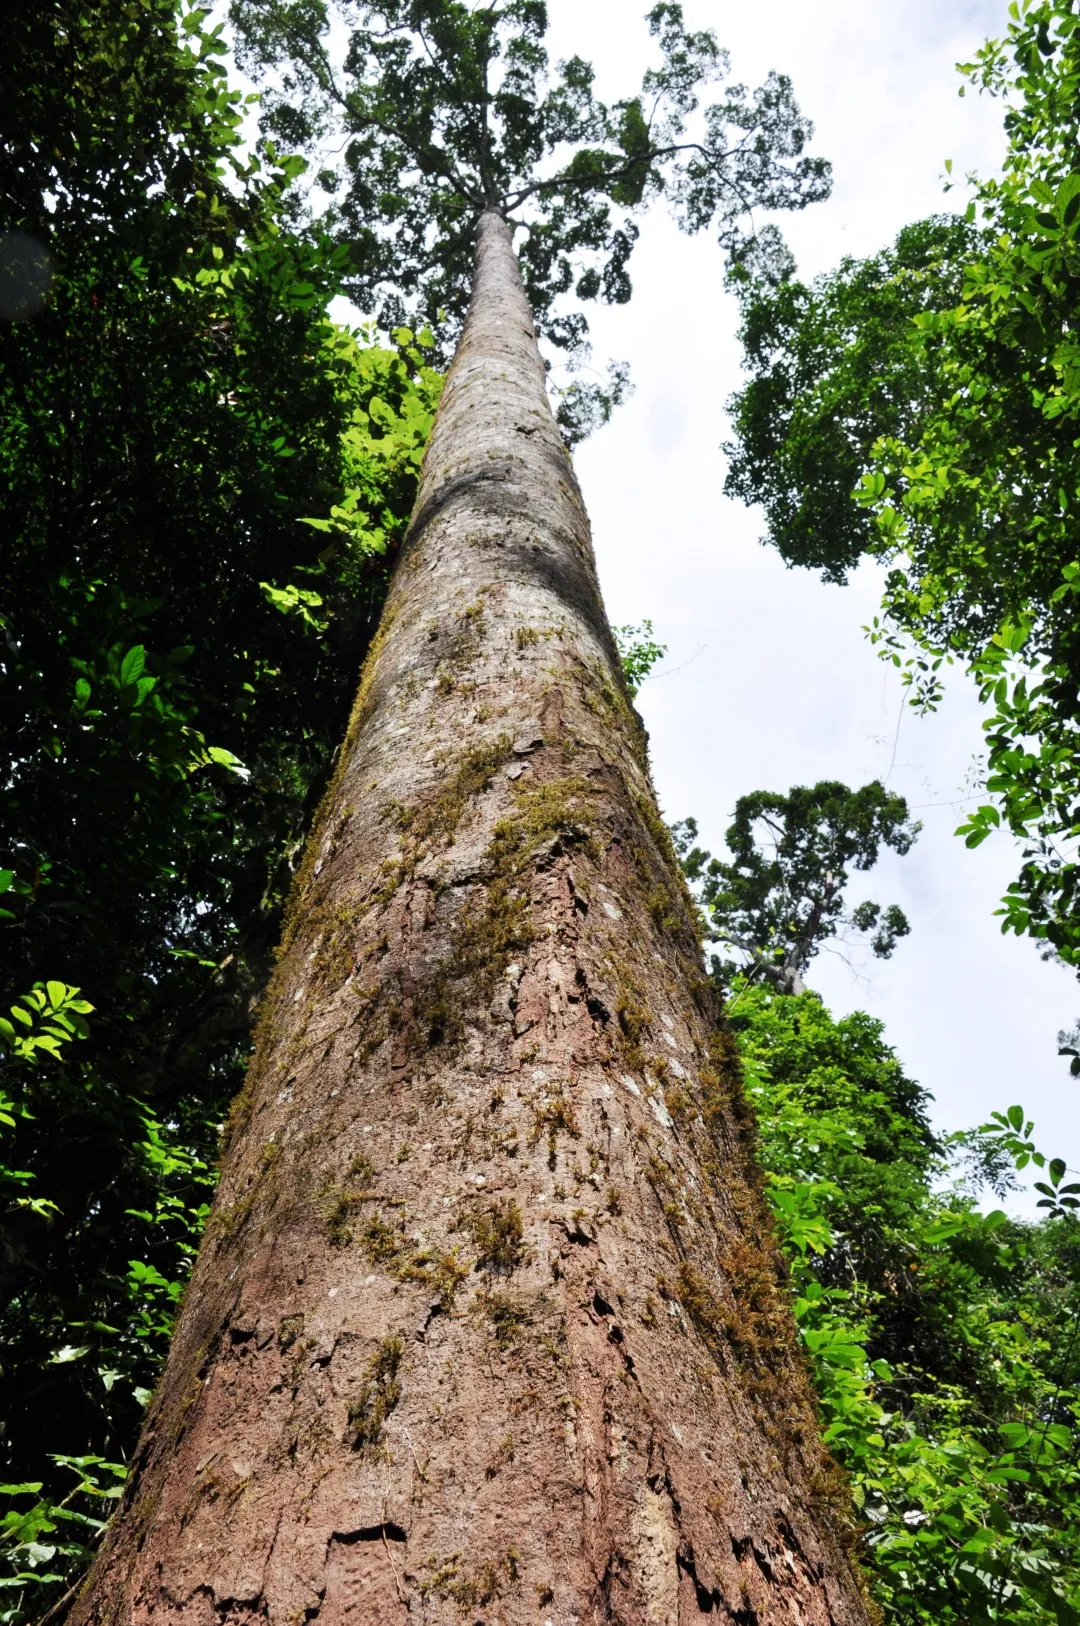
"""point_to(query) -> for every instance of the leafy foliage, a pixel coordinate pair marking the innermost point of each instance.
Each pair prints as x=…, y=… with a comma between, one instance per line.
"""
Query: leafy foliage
x=831, y=370
x=446, y=110
x=638, y=652
x=44, y=1542
x=204, y=482
x=940, y=383
x=944, y=1342
x=782, y=895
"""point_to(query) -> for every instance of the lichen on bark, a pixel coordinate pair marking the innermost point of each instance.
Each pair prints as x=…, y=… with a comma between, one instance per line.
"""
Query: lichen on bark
x=497, y=1331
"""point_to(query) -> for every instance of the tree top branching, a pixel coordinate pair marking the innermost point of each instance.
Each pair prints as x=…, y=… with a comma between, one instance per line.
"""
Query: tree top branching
x=435, y=110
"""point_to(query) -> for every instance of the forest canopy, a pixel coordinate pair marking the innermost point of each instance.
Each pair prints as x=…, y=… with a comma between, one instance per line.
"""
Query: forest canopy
x=206, y=482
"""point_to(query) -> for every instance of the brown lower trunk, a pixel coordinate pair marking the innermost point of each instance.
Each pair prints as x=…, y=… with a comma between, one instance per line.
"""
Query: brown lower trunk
x=487, y=1325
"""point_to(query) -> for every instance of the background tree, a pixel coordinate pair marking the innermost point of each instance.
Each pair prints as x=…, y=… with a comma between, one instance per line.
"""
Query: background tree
x=831, y=369
x=202, y=482
x=782, y=895
x=922, y=407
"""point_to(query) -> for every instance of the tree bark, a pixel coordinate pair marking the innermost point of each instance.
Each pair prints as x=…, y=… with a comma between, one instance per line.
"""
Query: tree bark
x=488, y=1325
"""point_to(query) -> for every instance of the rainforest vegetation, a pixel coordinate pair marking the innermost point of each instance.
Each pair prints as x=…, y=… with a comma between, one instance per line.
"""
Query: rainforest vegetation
x=206, y=481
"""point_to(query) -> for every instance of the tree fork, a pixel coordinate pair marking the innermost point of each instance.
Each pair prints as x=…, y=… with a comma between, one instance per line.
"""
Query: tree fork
x=487, y=1324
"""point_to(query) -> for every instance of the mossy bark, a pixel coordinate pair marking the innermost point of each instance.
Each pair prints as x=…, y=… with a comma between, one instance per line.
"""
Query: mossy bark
x=488, y=1324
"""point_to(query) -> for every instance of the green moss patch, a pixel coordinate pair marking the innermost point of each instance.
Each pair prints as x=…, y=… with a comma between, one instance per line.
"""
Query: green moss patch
x=381, y=1392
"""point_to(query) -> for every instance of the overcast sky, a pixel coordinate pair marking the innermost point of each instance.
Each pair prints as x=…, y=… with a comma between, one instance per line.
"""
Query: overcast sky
x=769, y=681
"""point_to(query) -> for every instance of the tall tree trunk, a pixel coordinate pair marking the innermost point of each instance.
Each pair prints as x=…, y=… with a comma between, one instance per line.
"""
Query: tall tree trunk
x=487, y=1325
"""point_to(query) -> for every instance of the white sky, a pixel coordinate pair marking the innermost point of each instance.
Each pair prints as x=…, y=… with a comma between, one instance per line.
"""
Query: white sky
x=769, y=680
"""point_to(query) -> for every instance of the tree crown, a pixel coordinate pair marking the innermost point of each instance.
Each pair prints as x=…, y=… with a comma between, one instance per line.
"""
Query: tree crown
x=783, y=894
x=447, y=109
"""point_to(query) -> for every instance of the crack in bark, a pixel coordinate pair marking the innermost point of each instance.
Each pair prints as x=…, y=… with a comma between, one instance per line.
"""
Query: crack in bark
x=708, y=1599
x=386, y=1531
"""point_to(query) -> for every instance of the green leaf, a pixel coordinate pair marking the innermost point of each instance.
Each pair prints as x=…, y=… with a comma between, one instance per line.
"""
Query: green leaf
x=133, y=665
x=226, y=759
